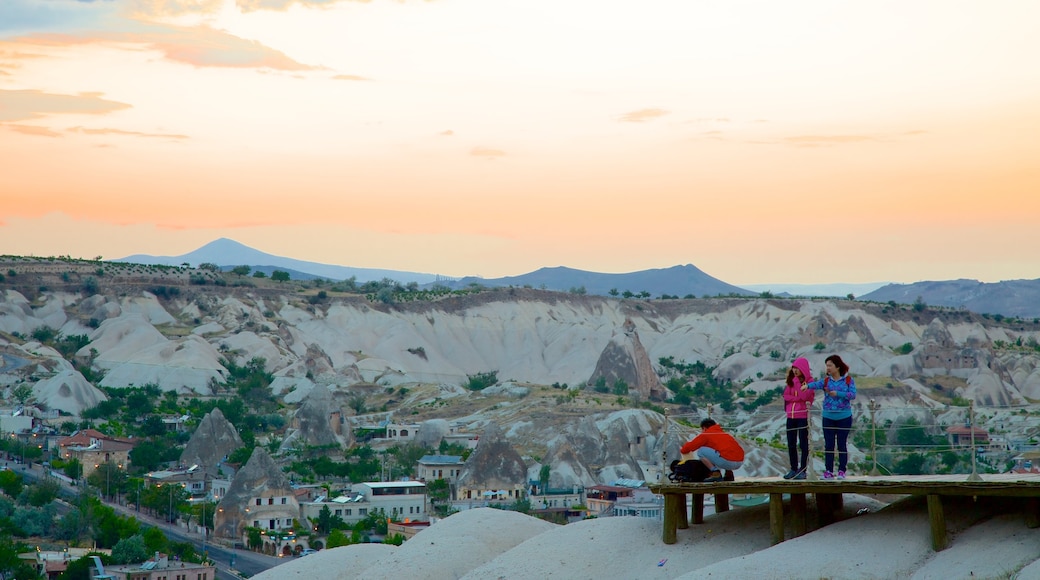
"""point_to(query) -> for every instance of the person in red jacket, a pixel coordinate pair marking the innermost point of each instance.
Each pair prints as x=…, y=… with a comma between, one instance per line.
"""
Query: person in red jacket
x=716, y=449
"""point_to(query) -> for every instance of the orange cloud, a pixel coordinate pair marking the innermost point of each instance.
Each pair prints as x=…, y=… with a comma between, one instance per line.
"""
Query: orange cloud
x=32, y=130
x=348, y=78
x=486, y=152
x=447, y=133
x=32, y=104
x=282, y=5
x=642, y=115
x=200, y=46
x=162, y=8
x=823, y=140
x=204, y=46
x=88, y=131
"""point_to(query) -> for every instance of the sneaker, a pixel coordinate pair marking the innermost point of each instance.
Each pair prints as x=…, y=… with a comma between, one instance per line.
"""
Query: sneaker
x=841, y=474
x=799, y=475
x=714, y=477
x=791, y=474
x=828, y=475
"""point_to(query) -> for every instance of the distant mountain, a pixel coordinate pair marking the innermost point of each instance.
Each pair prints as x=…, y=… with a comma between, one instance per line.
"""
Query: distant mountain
x=229, y=253
x=1019, y=298
x=678, y=281
x=837, y=289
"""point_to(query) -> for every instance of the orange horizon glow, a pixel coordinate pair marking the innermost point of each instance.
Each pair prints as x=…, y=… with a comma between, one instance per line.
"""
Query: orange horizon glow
x=807, y=142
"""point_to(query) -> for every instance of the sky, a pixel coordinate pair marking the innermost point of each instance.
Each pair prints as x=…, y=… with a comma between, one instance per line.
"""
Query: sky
x=761, y=141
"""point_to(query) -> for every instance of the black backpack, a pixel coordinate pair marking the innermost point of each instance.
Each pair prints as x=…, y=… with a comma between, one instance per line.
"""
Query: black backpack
x=689, y=471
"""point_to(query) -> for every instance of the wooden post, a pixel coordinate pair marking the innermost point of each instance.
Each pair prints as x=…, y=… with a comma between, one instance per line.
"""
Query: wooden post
x=798, y=513
x=825, y=508
x=1033, y=512
x=698, y=508
x=938, y=522
x=722, y=503
x=671, y=512
x=776, y=517
x=722, y=499
x=684, y=513
x=873, y=437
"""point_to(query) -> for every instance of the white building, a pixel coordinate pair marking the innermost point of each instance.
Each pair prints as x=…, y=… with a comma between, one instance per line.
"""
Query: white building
x=400, y=500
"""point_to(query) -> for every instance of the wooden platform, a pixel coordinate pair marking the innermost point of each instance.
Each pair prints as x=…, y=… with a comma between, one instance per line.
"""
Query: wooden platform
x=829, y=494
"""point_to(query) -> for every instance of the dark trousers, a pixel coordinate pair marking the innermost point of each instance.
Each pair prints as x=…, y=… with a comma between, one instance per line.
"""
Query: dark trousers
x=836, y=431
x=798, y=432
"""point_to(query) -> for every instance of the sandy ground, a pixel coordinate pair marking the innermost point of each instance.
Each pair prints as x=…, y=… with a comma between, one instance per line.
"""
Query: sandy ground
x=872, y=540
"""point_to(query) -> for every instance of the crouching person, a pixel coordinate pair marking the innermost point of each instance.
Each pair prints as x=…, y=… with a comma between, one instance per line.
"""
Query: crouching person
x=716, y=449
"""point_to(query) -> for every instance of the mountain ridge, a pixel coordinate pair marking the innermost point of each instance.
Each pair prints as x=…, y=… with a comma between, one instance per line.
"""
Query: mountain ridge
x=1006, y=298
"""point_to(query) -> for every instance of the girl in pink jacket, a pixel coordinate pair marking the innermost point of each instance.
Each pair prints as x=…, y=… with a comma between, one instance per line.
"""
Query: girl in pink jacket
x=796, y=407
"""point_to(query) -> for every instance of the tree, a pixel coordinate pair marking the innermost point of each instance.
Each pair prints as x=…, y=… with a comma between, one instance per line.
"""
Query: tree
x=11, y=566
x=613, y=292
x=338, y=538
x=324, y=523
x=241, y=270
x=23, y=393
x=259, y=274
x=280, y=276
x=10, y=483
x=543, y=477
x=253, y=539
x=912, y=433
x=919, y=304
x=155, y=540
x=109, y=478
x=130, y=550
x=43, y=492
x=80, y=568
x=73, y=469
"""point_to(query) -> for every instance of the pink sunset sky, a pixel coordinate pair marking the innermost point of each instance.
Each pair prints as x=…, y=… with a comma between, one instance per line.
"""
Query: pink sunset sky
x=762, y=141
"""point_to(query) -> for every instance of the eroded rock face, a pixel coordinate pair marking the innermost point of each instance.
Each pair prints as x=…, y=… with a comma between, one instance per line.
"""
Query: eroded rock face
x=260, y=478
x=624, y=358
x=214, y=439
x=431, y=433
x=494, y=464
x=68, y=391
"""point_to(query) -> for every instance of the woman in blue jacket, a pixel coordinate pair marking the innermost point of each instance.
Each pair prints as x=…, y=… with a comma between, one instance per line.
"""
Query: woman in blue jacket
x=839, y=390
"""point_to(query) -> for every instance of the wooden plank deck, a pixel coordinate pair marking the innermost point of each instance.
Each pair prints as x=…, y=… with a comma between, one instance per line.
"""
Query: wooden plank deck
x=829, y=494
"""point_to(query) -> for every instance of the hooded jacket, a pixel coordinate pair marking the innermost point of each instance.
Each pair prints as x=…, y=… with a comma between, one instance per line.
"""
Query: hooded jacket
x=840, y=405
x=717, y=439
x=797, y=401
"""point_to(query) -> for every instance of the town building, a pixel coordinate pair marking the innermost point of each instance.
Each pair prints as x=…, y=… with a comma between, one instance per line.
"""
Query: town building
x=400, y=500
x=447, y=467
x=157, y=568
x=93, y=448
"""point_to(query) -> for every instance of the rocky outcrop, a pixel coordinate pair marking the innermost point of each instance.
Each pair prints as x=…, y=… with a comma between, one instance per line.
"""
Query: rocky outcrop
x=213, y=440
x=431, y=433
x=259, y=478
x=494, y=464
x=567, y=468
x=317, y=422
x=625, y=359
x=68, y=391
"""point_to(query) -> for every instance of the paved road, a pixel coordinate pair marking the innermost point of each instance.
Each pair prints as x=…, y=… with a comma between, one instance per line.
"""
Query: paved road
x=246, y=563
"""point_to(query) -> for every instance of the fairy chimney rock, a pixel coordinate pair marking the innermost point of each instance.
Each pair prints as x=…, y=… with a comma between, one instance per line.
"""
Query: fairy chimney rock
x=624, y=358
x=214, y=439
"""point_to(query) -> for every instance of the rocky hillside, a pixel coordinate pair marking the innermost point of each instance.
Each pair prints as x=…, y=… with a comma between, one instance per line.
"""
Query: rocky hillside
x=416, y=353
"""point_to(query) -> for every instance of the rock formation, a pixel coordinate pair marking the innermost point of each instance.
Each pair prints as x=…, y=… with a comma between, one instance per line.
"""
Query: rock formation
x=494, y=464
x=317, y=422
x=624, y=358
x=259, y=477
x=214, y=439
